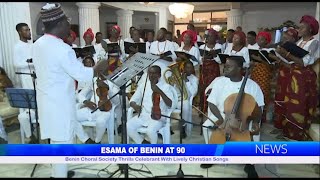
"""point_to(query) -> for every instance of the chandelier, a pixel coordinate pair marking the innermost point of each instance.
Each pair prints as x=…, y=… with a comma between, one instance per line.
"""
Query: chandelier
x=181, y=10
x=146, y=3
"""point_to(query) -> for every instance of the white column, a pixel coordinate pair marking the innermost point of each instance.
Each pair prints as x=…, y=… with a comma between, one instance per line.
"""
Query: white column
x=157, y=23
x=11, y=13
x=124, y=20
x=163, y=18
x=234, y=18
x=88, y=18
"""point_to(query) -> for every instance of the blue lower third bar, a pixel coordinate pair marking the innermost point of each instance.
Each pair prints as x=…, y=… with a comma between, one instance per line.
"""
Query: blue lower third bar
x=228, y=149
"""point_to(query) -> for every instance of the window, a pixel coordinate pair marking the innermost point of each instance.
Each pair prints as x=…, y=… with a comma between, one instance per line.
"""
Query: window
x=202, y=21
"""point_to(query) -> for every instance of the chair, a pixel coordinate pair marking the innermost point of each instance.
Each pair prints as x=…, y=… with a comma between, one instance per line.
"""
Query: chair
x=165, y=130
x=111, y=126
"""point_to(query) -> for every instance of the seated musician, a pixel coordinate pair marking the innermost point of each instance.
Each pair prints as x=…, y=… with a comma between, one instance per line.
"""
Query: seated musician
x=191, y=85
x=88, y=61
x=157, y=88
x=221, y=88
x=89, y=98
x=5, y=82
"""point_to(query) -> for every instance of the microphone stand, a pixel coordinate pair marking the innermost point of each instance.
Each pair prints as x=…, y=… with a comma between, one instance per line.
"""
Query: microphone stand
x=33, y=75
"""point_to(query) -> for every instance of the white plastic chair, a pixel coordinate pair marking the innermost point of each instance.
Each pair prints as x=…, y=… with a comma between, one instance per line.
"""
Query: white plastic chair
x=165, y=130
x=111, y=126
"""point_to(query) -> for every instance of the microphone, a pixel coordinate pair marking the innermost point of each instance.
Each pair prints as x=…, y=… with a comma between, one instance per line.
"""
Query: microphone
x=29, y=60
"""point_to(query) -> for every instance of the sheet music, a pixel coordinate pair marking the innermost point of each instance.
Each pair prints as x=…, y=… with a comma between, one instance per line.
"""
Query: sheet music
x=130, y=68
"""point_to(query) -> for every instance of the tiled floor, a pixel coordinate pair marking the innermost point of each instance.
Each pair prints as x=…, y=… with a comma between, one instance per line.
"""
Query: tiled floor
x=104, y=170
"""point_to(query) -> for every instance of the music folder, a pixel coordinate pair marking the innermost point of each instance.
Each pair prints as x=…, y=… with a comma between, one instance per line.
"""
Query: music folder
x=263, y=54
x=189, y=56
x=200, y=43
x=209, y=53
x=294, y=49
x=223, y=57
x=140, y=45
x=110, y=47
x=165, y=54
x=85, y=50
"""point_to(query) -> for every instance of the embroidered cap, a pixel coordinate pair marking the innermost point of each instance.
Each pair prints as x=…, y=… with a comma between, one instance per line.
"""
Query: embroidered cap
x=51, y=12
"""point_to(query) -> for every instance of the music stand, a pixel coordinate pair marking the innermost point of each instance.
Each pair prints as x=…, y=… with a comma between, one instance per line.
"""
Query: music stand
x=24, y=98
x=129, y=69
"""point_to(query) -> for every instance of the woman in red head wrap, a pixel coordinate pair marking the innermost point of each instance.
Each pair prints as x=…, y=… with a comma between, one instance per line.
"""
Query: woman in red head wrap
x=238, y=47
x=189, y=38
x=88, y=37
x=71, y=38
x=262, y=71
x=209, y=68
x=283, y=80
x=301, y=97
x=115, y=50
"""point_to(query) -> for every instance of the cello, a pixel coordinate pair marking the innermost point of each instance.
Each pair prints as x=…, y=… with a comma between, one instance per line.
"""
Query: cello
x=240, y=105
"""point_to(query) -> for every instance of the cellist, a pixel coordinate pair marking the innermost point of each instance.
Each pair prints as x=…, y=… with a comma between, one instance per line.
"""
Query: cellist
x=220, y=89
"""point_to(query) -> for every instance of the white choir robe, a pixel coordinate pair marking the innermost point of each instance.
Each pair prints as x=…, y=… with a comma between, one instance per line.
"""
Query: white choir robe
x=194, y=51
x=192, y=89
x=243, y=52
x=100, y=117
x=145, y=120
x=22, y=52
x=176, y=45
x=222, y=87
x=312, y=47
x=216, y=47
x=226, y=46
x=100, y=53
x=255, y=46
x=129, y=39
x=148, y=45
x=159, y=48
x=162, y=47
x=3, y=133
x=57, y=67
x=121, y=54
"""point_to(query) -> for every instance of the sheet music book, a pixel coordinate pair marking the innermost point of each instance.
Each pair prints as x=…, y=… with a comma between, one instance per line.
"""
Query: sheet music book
x=189, y=56
x=110, y=47
x=209, y=53
x=85, y=50
x=263, y=54
x=294, y=49
x=223, y=57
x=166, y=54
x=200, y=43
x=140, y=45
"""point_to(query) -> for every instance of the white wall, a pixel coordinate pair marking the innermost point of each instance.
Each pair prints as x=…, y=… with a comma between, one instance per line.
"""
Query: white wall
x=269, y=15
x=138, y=20
x=69, y=8
x=106, y=15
